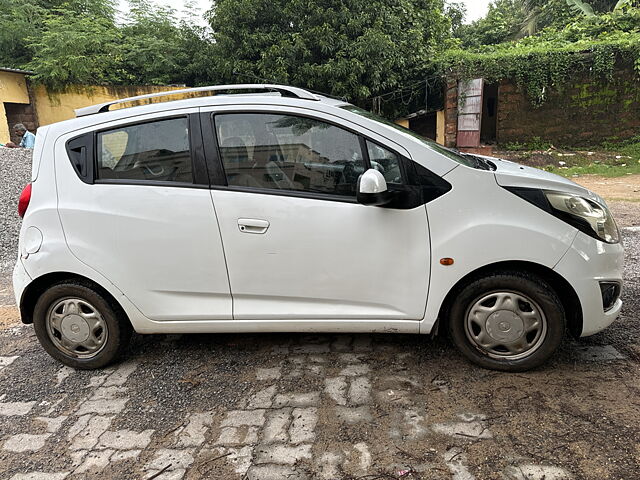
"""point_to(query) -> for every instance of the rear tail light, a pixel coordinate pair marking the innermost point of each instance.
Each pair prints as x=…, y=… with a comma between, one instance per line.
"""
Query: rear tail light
x=23, y=203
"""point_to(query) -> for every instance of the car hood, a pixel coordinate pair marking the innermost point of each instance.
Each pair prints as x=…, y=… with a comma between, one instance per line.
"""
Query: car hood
x=511, y=174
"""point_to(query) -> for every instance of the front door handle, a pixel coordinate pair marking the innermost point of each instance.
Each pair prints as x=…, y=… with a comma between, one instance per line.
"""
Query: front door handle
x=252, y=225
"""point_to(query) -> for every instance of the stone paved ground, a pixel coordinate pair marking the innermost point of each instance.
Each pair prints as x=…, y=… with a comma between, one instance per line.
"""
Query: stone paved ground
x=293, y=406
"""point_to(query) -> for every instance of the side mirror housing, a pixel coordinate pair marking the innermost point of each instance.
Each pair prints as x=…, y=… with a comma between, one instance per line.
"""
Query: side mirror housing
x=372, y=189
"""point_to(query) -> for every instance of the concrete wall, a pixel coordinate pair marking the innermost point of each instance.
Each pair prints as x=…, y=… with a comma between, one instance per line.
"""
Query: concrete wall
x=584, y=113
x=13, y=89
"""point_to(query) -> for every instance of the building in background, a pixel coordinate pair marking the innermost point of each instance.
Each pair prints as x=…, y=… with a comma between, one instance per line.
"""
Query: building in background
x=16, y=104
x=586, y=111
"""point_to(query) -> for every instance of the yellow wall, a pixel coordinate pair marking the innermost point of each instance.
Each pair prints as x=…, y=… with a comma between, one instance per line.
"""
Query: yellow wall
x=5, y=136
x=54, y=107
x=13, y=89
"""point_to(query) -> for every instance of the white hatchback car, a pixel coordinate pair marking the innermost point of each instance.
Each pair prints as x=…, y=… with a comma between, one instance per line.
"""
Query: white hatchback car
x=291, y=211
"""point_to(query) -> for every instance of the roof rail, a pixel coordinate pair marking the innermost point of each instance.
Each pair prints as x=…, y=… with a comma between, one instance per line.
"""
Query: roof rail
x=284, y=90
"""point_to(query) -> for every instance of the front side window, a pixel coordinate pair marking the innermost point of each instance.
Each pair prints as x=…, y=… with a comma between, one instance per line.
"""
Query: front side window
x=153, y=151
x=385, y=161
x=287, y=152
x=452, y=154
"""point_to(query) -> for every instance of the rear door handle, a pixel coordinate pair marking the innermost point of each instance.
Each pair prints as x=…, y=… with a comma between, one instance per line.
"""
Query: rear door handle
x=252, y=225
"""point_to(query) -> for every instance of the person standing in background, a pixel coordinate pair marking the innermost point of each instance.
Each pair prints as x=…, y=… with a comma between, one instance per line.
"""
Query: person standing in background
x=28, y=138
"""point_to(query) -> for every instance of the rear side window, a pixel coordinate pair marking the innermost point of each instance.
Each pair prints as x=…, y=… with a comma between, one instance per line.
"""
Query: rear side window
x=287, y=152
x=152, y=151
x=80, y=150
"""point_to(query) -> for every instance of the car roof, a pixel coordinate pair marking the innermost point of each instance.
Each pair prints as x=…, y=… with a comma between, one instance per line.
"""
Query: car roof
x=93, y=115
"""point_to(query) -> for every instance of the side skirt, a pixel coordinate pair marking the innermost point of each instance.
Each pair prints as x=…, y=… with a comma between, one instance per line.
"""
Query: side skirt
x=269, y=326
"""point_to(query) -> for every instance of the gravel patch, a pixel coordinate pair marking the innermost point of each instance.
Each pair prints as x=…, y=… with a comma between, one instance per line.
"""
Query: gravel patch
x=15, y=172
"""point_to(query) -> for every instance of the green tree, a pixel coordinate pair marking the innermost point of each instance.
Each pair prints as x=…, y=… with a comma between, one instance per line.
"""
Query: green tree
x=16, y=22
x=75, y=48
x=26, y=19
x=502, y=22
x=152, y=48
x=351, y=48
x=79, y=41
x=512, y=19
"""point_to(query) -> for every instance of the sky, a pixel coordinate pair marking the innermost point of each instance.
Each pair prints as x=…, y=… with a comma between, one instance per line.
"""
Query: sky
x=475, y=8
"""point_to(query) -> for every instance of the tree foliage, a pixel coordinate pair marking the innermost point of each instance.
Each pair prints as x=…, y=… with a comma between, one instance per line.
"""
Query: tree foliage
x=351, y=48
x=513, y=19
x=381, y=49
x=83, y=41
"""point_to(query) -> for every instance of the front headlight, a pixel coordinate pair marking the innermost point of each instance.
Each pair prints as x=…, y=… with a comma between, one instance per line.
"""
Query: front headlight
x=586, y=215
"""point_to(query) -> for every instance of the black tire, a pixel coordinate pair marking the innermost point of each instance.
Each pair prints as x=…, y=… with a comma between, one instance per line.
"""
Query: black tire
x=529, y=285
x=117, y=325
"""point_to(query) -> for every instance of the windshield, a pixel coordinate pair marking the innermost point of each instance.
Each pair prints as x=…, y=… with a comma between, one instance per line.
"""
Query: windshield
x=464, y=159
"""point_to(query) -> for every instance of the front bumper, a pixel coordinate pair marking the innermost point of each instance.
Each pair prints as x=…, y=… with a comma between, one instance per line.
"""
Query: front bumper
x=584, y=266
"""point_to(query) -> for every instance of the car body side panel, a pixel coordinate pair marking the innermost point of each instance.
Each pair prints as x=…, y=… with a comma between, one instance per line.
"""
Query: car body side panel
x=466, y=225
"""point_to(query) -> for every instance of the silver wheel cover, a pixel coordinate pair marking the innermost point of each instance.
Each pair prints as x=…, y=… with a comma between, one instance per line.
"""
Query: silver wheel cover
x=76, y=328
x=505, y=325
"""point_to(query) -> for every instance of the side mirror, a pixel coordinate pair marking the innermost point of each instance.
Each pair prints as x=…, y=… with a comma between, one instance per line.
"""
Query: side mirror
x=372, y=189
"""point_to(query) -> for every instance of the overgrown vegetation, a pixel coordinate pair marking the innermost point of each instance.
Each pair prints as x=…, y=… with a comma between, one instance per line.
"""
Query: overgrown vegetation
x=590, y=42
x=377, y=52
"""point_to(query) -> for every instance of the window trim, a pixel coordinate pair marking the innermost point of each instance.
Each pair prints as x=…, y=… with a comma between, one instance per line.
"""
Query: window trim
x=402, y=159
x=87, y=138
x=199, y=168
x=151, y=183
x=220, y=183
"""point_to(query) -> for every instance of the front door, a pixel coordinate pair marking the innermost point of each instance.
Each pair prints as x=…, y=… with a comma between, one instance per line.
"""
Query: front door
x=297, y=244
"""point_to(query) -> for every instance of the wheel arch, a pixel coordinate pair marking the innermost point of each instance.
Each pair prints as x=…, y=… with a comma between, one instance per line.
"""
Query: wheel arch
x=562, y=287
x=38, y=286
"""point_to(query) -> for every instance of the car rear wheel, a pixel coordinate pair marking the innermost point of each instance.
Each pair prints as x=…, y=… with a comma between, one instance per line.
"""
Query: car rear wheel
x=511, y=321
x=79, y=326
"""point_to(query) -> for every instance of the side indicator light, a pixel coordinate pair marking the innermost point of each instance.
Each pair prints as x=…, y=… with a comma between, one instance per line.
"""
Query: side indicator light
x=446, y=261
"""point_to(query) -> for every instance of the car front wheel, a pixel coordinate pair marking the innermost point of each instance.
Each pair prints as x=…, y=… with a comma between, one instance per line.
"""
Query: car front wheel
x=80, y=327
x=510, y=321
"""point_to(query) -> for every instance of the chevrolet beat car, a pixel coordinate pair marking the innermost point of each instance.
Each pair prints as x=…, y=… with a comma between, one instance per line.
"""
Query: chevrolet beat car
x=268, y=208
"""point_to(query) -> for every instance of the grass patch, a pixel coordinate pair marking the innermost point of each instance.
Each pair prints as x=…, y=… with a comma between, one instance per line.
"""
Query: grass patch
x=630, y=147
x=595, y=169
x=611, y=159
x=536, y=143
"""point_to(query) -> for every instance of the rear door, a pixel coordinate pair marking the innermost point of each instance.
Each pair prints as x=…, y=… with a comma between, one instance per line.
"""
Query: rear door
x=135, y=205
x=298, y=245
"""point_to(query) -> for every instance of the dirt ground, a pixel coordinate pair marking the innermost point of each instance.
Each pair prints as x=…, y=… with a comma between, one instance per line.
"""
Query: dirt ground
x=332, y=407
x=613, y=189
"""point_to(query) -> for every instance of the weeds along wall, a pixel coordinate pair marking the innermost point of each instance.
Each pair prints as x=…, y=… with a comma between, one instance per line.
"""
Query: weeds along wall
x=584, y=111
